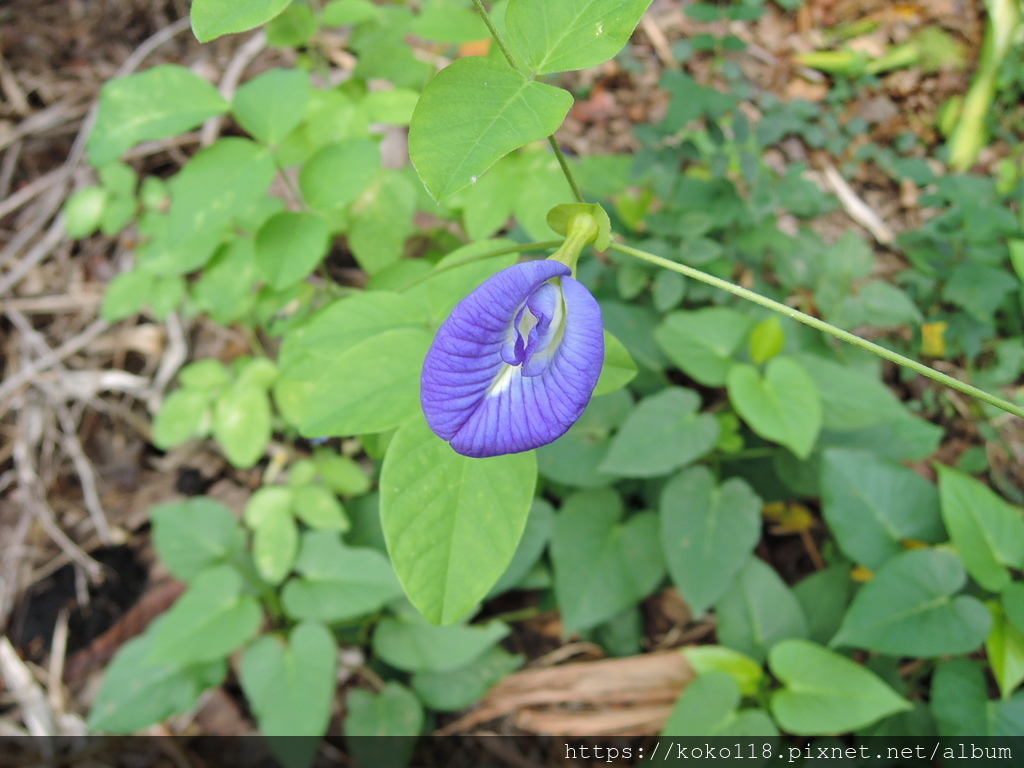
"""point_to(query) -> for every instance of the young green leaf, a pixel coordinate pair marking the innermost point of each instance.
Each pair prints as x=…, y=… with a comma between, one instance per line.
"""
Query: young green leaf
x=746, y=672
x=826, y=693
x=185, y=414
x=452, y=523
x=219, y=185
x=664, y=432
x=410, y=643
x=191, y=536
x=319, y=508
x=275, y=534
x=474, y=112
x=338, y=583
x=288, y=90
x=572, y=34
x=214, y=18
x=337, y=174
x=987, y=532
x=160, y=102
x=602, y=563
x=289, y=246
x=758, y=611
x=1004, y=648
x=784, y=406
x=242, y=424
x=381, y=220
x=910, y=609
x=708, y=533
x=618, y=369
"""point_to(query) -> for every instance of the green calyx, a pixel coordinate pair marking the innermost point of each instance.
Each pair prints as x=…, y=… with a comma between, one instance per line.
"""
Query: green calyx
x=582, y=224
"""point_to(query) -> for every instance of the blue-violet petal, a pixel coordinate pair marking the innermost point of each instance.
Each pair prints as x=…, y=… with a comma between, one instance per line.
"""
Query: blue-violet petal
x=516, y=362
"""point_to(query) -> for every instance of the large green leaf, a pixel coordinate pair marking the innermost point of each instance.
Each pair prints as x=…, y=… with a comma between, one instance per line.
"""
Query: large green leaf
x=162, y=101
x=784, y=406
x=874, y=506
x=602, y=563
x=371, y=387
x=474, y=112
x=909, y=609
x=702, y=343
x=338, y=582
x=452, y=523
x=986, y=531
x=708, y=533
x=826, y=693
x=664, y=432
x=209, y=621
x=758, y=611
x=213, y=18
x=441, y=291
x=138, y=692
x=290, y=684
x=571, y=34
x=339, y=326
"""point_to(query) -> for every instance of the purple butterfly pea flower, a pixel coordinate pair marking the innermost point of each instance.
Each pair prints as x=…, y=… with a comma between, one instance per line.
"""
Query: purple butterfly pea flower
x=515, y=364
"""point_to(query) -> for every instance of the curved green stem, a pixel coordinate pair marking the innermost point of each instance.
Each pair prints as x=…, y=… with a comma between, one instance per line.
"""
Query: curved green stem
x=562, y=161
x=497, y=38
x=821, y=325
x=517, y=248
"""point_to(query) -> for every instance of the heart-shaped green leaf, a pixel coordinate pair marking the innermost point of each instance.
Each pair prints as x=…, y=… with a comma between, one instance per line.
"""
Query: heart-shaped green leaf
x=664, y=432
x=910, y=609
x=708, y=533
x=872, y=506
x=602, y=563
x=784, y=406
x=338, y=582
x=826, y=693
